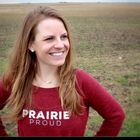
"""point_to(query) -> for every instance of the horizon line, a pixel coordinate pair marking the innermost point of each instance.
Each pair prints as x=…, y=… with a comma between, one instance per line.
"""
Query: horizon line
x=61, y=2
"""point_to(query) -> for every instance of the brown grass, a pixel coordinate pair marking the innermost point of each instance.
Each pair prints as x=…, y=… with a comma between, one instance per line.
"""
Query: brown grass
x=107, y=43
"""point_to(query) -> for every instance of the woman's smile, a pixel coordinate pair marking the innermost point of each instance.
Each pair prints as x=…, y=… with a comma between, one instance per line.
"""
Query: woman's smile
x=56, y=53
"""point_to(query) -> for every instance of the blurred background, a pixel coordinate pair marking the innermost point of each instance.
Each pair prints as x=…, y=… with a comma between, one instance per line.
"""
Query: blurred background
x=106, y=40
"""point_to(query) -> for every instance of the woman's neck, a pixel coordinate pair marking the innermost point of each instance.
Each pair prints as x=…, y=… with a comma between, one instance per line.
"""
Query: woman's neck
x=47, y=77
x=47, y=72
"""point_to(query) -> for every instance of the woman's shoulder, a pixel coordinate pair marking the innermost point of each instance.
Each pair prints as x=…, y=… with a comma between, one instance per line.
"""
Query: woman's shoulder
x=3, y=94
x=82, y=74
x=80, y=71
x=1, y=85
x=86, y=83
x=85, y=78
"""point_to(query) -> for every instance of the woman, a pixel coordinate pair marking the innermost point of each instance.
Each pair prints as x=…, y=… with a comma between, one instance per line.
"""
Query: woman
x=45, y=94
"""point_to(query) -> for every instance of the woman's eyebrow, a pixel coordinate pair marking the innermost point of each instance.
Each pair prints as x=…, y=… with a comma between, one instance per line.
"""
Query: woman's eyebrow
x=45, y=36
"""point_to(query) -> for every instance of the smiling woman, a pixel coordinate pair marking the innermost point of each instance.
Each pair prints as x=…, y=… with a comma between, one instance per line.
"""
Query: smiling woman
x=51, y=43
x=44, y=93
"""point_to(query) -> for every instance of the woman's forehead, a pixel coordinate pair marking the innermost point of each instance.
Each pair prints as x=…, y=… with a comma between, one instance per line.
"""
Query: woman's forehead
x=51, y=25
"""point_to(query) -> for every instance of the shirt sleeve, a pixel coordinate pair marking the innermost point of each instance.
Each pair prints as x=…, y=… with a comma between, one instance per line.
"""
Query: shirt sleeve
x=3, y=97
x=104, y=103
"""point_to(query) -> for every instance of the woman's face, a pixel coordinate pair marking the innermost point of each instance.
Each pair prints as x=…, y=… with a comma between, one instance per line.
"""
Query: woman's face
x=51, y=43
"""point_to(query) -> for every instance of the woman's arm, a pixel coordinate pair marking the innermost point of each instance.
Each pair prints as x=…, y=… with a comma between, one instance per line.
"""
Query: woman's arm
x=3, y=97
x=111, y=111
x=104, y=103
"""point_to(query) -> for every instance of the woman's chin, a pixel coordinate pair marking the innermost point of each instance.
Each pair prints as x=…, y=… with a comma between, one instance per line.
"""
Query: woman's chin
x=58, y=63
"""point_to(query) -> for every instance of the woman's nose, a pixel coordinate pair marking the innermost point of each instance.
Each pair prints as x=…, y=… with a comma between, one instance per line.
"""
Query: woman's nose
x=59, y=44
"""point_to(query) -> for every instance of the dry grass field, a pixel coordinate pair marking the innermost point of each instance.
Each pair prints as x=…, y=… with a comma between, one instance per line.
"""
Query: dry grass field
x=106, y=39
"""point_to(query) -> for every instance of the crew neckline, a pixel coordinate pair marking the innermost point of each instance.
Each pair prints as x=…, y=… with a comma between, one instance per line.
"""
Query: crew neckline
x=39, y=87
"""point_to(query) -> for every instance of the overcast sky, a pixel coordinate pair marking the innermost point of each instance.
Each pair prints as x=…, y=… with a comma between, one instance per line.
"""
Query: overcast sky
x=52, y=1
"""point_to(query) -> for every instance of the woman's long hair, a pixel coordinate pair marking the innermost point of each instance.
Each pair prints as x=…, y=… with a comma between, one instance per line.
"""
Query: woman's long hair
x=23, y=67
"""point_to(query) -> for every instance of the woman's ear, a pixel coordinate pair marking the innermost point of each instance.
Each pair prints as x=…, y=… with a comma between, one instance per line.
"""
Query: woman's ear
x=31, y=48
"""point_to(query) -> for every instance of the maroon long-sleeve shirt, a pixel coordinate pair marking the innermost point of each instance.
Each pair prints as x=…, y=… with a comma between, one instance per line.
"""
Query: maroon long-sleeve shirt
x=47, y=118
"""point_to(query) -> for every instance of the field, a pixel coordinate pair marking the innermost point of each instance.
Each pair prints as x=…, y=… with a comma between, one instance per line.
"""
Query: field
x=106, y=39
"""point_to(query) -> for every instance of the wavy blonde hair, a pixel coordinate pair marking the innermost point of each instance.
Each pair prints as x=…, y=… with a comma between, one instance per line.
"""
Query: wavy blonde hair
x=23, y=66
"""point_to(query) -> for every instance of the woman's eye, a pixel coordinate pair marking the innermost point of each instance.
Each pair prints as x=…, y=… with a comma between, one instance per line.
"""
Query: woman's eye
x=64, y=36
x=49, y=39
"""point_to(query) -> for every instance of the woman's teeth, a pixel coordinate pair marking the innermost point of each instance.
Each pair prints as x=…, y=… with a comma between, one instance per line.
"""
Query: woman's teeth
x=57, y=53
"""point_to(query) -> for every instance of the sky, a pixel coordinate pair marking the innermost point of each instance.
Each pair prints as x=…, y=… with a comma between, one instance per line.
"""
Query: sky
x=52, y=1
